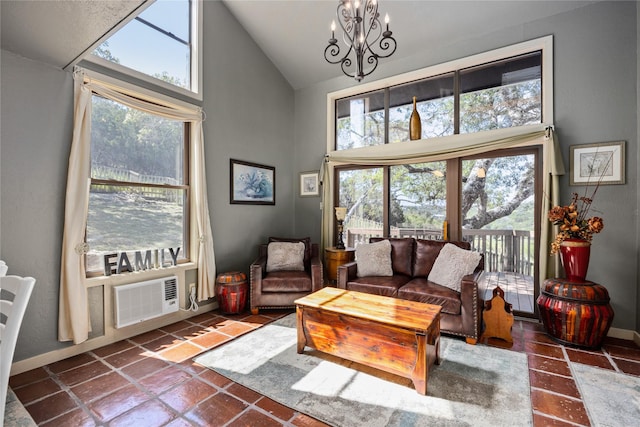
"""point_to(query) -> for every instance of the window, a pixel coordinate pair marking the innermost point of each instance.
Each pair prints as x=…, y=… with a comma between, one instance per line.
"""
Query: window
x=500, y=94
x=162, y=42
x=139, y=186
x=489, y=196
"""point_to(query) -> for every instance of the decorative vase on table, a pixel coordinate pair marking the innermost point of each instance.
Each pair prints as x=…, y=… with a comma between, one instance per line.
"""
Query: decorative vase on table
x=575, y=255
x=415, y=125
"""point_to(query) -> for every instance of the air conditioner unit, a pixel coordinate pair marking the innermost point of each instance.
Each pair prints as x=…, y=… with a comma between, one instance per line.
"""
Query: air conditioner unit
x=137, y=302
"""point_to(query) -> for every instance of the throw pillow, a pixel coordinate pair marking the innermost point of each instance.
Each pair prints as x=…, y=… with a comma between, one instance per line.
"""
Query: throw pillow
x=285, y=256
x=452, y=264
x=305, y=240
x=374, y=259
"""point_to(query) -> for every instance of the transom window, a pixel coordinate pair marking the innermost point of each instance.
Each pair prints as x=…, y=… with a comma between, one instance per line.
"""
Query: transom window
x=161, y=43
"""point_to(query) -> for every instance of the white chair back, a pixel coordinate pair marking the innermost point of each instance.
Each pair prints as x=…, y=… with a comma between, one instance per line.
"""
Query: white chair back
x=14, y=296
x=3, y=268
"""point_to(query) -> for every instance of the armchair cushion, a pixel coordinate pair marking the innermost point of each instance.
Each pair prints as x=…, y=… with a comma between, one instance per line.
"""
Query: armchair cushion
x=285, y=256
x=374, y=259
x=305, y=240
x=452, y=264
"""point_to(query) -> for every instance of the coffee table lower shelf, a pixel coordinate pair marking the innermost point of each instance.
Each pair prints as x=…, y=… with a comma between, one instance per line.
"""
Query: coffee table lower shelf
x=342, y=327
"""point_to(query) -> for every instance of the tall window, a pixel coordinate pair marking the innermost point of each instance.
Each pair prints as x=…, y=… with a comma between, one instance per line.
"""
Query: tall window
x=162, y=43
x=139, y=190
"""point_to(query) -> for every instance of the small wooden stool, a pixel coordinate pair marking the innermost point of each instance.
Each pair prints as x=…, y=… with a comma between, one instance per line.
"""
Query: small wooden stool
x=498, y=317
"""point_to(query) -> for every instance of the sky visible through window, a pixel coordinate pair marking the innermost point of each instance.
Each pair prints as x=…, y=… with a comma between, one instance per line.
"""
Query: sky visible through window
x=145, y=49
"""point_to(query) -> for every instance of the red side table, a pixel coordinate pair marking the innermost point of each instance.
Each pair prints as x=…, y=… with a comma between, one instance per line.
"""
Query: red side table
x=575, y=313
x=231, y=292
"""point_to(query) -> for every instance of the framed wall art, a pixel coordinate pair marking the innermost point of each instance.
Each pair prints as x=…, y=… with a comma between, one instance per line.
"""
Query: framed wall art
x=595, y=164
x=309, y=184
x=252, y=183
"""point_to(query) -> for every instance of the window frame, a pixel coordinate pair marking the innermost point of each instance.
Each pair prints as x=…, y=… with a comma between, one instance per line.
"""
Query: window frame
x=196, y=22
x=189, y=229
x=543, y=44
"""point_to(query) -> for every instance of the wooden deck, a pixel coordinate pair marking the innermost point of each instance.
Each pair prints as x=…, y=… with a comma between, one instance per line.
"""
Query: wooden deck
x=518, y=289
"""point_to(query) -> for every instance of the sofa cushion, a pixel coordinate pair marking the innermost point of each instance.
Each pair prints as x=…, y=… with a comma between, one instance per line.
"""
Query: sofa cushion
x=286, y=281
x=305, y=240
x=283, y=256
x=401, y=254
x=380, y=285
x=374, y=259
x=421, y=290
x=452, y=264
x=426, y=252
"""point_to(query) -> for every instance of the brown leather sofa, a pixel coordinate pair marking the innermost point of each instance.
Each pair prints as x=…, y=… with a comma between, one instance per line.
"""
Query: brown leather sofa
x=412, y=260
x=279, y=289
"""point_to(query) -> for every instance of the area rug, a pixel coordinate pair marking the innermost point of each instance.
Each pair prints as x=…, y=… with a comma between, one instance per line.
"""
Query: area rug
x=611, y=398
x=473, y=386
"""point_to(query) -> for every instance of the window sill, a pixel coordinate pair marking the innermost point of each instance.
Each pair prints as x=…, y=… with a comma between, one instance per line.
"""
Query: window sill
x=137, y=276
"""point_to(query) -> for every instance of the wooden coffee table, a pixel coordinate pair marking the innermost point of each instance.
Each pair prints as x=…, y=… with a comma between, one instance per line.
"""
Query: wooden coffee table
x=397, y=336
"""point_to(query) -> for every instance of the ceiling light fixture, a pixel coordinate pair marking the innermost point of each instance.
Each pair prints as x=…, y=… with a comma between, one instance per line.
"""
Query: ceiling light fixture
x=362, y=29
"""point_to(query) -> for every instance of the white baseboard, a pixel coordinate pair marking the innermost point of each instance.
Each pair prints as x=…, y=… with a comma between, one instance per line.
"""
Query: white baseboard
x=624, y=334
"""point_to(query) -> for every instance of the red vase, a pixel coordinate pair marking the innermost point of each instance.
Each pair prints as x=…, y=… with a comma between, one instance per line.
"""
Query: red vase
x=575, y=258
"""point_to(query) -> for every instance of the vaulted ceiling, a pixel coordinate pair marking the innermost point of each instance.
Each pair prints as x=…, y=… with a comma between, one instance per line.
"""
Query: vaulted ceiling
x=292, y=33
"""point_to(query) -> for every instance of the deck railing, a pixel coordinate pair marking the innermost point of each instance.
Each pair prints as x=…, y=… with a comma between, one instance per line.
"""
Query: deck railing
x=504, y=250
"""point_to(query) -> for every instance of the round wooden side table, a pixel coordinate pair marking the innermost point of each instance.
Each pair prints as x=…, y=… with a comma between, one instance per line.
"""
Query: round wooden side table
x=334, y=258
x=575, y=313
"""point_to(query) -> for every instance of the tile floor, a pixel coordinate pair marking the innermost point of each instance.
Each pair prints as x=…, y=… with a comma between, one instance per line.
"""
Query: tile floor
x=150, y=380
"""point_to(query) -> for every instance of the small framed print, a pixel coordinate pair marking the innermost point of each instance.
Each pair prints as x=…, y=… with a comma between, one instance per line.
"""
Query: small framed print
x=595, y=164
x=252, y=184
x=309, y=184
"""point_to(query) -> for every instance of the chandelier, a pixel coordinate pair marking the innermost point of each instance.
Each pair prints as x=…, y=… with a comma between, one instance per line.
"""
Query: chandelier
x=361, y=31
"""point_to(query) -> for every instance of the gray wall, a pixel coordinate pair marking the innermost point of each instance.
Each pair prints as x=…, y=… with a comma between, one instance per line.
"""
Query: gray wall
x=595, y=76
x=249, y=108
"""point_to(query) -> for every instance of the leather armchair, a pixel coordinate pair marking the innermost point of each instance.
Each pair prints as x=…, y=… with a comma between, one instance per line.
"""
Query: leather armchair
x=279, y=289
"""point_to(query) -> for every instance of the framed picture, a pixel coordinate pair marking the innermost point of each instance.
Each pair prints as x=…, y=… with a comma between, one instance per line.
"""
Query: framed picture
x=252, y=184
x=309, y=184
x=594, y=164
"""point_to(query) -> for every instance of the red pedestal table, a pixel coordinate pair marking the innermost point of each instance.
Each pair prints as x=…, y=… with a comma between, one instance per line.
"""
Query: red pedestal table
x=575, y=313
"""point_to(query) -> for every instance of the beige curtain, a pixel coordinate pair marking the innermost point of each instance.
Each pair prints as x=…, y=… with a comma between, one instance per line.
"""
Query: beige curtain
x=73, y=321
x=448, y=147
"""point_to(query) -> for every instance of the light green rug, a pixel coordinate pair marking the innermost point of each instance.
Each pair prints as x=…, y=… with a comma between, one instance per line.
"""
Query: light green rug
x=473, y=385
x=611, y=398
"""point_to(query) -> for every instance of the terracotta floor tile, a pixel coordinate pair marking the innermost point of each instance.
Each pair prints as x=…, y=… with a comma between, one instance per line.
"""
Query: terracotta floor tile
x=126, y=357
x=118, y=402
x=191, y=367
x=37, y=390
x=554, y=351
x=538, y=336
x=76, y=418
x=210, y=339
x=110, y=349
x=276, y=409
x=215, y=378
x=257, y=320
x=179, y=422
x=546, y=364
x=623, y=352
x=162, y=343
x=235, y=329
x=539, y=420
x=191, y=332
x=164, y=379
x=243, y=393
x=71, y=362
x=150, y=414
x=148, y=336
x=589, y=358
x=565, y=408
x=144, y=367
x=51, y=406
x=302, y=420
x=28, y=377
x=254, y=418
x=83, y=373
x=216, y=411
x=628, y=366
x=532, y=325
x=188, y=394
x=174, y=327
x=99, y=386
x=204, y=318
x=555, y=383
x=180, y=352
x=620, y=342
